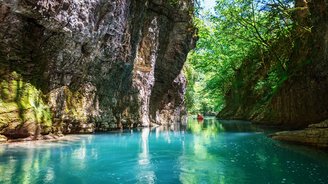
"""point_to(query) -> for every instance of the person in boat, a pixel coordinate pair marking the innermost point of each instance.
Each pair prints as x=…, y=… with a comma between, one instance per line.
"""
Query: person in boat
x=199, y=117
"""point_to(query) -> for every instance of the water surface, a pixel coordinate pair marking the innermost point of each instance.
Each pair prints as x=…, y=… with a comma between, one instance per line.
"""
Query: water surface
x=202, y=152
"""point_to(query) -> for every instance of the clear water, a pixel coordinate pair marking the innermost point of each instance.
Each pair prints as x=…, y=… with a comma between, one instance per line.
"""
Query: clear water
x=203, y=152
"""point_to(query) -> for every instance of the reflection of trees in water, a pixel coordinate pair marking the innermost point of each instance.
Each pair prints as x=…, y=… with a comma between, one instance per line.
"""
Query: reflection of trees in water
x=208, y=154
x=209, y=127
x=212, y=125
x=35, y=163
x=199, y=162
x=242, y=159
x=239, y=126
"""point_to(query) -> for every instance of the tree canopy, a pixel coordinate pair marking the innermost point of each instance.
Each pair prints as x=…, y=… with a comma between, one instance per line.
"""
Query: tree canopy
x=241, y=36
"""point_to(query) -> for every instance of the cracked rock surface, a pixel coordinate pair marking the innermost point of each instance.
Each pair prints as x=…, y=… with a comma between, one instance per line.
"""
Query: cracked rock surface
x=71, y=66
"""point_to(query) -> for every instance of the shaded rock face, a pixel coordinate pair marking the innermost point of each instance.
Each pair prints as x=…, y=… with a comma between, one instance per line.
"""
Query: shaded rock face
x=303, y=97
x=171, y=107
x=79, y=66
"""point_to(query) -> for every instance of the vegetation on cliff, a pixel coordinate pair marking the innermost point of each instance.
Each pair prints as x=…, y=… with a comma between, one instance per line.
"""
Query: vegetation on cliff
x=243, y=56
x=22, y=108
x=86, y=66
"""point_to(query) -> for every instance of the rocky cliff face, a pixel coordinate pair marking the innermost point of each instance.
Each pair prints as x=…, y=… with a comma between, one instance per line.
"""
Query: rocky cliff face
x=302, y=99
x=78, y=66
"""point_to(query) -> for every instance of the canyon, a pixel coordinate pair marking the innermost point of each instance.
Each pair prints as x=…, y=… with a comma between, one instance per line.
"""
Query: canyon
x=73, y=66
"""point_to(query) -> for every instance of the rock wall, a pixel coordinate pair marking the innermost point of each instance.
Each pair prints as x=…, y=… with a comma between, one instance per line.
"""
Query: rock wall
x=78, y=66
x=302, y=99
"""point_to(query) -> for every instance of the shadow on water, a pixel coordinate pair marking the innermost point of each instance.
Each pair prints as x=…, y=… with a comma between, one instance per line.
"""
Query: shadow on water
x=211, y=124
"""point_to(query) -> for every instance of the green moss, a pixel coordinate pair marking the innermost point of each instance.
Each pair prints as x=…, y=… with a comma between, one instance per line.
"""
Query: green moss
x=173, y=2
x=22, y=102
x=74, y=106
x=8, y=89
x=8, y=113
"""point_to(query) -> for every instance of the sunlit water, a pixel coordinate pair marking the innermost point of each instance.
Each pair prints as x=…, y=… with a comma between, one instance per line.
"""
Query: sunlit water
x=202, y=152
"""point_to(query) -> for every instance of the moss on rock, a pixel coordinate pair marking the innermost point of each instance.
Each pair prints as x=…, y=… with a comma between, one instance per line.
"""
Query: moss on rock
x=74, y=110
x=22, y=108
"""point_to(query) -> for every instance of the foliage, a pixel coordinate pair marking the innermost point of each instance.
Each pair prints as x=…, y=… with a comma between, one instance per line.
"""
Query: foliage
x=245, y=45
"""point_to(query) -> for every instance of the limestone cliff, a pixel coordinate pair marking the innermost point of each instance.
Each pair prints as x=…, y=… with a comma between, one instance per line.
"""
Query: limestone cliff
x=78, y=66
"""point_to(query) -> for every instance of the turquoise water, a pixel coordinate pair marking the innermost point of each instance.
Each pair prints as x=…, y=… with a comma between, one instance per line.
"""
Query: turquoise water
x=202, y=152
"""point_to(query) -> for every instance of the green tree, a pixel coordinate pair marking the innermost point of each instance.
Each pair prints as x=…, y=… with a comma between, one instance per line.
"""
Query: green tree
x=241, y=32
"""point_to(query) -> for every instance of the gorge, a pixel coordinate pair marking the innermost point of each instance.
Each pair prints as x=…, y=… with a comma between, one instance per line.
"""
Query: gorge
x=107, y=91
x=74, y=66
x=266, y=62
x=85, y=66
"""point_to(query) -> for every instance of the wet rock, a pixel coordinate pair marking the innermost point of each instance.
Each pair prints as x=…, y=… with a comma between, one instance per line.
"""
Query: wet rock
x=48, y=137
x=323, y=124
x=314, y=135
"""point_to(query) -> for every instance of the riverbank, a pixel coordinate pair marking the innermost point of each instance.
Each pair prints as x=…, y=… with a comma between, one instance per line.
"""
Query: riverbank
x=40, y=142
x=315, y=135
x=48, y=137
x=61, y=136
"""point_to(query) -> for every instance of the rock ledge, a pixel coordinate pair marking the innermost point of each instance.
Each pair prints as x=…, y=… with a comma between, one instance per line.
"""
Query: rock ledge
x=315, y=135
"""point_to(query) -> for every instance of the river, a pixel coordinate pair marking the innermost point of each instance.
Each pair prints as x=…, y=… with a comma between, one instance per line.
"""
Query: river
x=210, y=151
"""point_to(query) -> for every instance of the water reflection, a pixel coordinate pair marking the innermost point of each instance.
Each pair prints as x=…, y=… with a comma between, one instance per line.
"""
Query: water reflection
x=199, y=163
x=201, y=152
x=10, y=166
x=239, y=126
x=36, y=162
x=208, y=127
x=146, y=173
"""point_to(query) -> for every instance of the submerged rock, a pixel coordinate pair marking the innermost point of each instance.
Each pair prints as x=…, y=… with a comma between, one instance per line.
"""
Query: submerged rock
x=81, y=66
x=314, y=135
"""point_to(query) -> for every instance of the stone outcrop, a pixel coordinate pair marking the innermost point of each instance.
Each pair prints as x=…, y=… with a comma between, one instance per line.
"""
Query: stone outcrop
x=69, y=66
x=315, y=135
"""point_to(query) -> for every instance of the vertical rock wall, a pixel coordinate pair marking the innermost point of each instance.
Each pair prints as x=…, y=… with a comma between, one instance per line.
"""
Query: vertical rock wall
x=302, y=99
x=78, y=66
